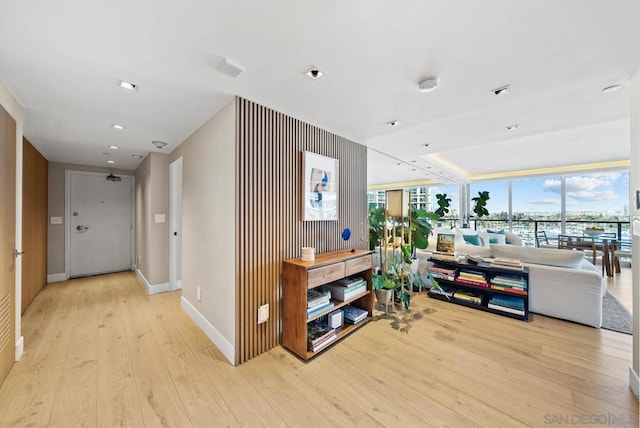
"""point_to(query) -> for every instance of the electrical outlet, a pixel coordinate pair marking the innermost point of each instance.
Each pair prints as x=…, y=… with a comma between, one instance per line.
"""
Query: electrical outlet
x=263, y=313
x=198, y=294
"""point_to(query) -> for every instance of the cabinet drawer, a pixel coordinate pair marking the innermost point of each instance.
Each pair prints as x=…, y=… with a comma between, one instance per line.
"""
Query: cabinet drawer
x=325, y=274
x=358, y=265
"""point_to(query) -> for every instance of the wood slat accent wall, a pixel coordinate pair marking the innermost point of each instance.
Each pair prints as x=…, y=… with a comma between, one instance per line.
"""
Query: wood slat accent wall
x=269, y=228
x=35, y=179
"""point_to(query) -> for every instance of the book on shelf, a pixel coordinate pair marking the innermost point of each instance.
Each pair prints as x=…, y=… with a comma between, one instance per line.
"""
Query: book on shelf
x=438, y=257
x=318, y=330
x=339, y=292
x=319, y=309
x=325, y=342
x=514, y=290
x=507, y=263
x=317, y=297
x=508, y=301
x=472, y=275
x=353, y=314
x=505, y=309
x=472, y=282
x=468, y=296
x=441, y=270
x=508, y=281
x=349, y=281
x=443, y=290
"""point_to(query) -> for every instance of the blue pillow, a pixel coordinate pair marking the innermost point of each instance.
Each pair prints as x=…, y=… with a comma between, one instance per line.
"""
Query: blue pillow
x=500, y=232
x=472, y=239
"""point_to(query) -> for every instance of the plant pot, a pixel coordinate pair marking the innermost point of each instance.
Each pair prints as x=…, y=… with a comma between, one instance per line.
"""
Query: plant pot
x=384, y=296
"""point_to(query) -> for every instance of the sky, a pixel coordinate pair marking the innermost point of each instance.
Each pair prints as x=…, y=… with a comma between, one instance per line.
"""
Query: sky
x=602, y=192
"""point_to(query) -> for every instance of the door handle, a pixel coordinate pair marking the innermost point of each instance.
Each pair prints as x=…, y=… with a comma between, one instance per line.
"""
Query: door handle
x=81, y=228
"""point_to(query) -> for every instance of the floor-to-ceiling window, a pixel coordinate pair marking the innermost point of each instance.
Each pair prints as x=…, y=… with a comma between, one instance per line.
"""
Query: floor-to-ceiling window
x=497, y=205
x=536, y=204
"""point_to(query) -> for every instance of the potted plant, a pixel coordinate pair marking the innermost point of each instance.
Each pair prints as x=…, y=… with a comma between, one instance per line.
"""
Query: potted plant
x=480, y=204
x=396, y=280
x=443, y=206
x=376, y=228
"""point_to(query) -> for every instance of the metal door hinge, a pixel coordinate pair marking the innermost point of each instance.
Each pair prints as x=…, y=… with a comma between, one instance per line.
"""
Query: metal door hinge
x=15, y=253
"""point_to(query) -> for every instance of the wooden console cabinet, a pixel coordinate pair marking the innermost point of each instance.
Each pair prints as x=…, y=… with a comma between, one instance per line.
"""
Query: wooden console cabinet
x=298, y=276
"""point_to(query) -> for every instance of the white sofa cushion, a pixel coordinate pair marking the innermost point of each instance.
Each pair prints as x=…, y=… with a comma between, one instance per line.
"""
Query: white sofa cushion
x=541, y=256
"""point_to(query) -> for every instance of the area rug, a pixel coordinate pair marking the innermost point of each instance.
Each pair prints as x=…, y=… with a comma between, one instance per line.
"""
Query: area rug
x=614, y=315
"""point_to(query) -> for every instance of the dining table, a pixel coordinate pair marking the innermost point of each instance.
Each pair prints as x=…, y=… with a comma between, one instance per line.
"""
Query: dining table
x=603, y=244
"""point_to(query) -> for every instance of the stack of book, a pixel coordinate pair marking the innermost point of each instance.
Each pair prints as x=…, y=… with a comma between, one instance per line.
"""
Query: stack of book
x=473, y=278
x=442, y=273
x=346, y=288
x=354, y=315
x=468, y=296
x=507, y=263
x=317, y=302
x=511, y=283
x=319, y=335
x=512, y=305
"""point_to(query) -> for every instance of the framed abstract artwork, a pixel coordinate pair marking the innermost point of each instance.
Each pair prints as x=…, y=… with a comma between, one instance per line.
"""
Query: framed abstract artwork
x=319, y=187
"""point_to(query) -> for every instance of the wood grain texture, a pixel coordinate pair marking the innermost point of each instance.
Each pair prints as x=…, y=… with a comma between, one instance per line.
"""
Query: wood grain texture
x=7, y=239
x=438, y=365
x=35, y=179
x=269, y=228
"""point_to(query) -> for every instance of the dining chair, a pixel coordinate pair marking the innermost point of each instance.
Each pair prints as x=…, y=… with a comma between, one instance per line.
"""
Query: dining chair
x=586, y=244
x=542, y=241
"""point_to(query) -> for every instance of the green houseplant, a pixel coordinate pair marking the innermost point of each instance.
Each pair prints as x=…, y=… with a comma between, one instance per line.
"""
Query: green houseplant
x=480, y=204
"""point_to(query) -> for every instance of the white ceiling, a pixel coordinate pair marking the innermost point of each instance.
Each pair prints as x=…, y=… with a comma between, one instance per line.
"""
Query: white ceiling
x=63, y=60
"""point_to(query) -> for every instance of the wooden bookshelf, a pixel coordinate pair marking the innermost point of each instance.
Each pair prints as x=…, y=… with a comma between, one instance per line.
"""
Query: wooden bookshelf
x=298, y=276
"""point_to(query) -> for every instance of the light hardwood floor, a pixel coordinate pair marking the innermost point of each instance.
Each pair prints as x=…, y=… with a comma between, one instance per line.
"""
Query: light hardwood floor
x=100, y=352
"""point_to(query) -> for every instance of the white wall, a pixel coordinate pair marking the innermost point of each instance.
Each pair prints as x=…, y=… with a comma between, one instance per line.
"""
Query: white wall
x=208, y=227
x=635, y=213
x=13, y=107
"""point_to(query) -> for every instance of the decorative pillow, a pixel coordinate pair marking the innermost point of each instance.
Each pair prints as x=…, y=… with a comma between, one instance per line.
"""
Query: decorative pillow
x=497, y=238
x=498, y=232
x=472, y=239
x=540, y=256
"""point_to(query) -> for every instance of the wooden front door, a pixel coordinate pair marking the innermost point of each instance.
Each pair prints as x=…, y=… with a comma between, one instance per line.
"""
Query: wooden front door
x=7, y=242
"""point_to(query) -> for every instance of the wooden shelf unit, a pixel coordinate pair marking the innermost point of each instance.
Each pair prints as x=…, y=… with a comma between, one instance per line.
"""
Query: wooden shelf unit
x=486, y=292
x=298, y=276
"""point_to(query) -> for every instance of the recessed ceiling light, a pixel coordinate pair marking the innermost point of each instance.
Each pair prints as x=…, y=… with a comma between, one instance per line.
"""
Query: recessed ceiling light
x=230, y=68
x=137, y=156
x=398, y=164
x=426, y=144
x=111, y=161
x=611, y=88
x=118, y=127
x=128, y=85
x=503, y=90
x=413, y=169
x=428, y=84
x=512, y=127
x=159, y=144
x=393, y=123
x=413, y=161
x=106, y=154
x=314, y=73
x=428, y=167
x=114, y=147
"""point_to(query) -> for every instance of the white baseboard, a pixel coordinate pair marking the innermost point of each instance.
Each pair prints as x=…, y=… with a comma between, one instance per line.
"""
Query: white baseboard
x=152, y=288
x=57, y=277
x=19, y=348
x=214, y=335
x=634, y=382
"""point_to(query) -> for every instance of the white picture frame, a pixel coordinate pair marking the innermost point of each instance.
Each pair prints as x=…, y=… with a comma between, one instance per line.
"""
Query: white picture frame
x=320, y=182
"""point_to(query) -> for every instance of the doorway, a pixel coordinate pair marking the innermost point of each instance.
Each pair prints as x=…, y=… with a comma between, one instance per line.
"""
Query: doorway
x=175, y=224
x=100, y=225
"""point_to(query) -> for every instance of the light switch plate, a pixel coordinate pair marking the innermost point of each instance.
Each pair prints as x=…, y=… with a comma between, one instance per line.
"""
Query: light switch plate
x=263, y=313
x=636, y=227
x=56, y=220
x=160, y=218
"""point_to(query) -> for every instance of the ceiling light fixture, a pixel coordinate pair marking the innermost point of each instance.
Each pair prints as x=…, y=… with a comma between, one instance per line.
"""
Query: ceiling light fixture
x=111, y=161
x=159, y=144
x=611, y=88
x=230, y=68
x=114, y=147
x=393, y=123
x=502, y=90
x=428, y=84
x=137, y=156
x=426, y=144
x=512, y=127
x=314, y=73
x=398, y=164
x=118, y=127
x=128, y=85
